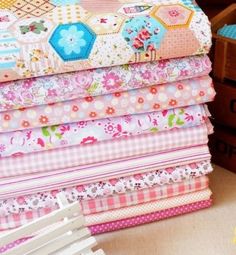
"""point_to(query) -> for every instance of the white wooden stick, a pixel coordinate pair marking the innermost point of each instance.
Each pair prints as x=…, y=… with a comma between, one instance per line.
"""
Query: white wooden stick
x=62, y=242
x=43, y=238
x=29, y=229
x=79, y=247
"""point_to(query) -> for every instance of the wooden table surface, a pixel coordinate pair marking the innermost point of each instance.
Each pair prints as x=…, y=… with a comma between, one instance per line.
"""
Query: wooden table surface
x=207, y=232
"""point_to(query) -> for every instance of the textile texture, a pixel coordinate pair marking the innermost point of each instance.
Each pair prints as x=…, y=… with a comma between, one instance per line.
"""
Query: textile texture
x=155, y=98
x=87, y=132
x=95, y=82
x=148, y=218
x=75, y=156
x=90, y=205
x=50, y=37
x=16, y=220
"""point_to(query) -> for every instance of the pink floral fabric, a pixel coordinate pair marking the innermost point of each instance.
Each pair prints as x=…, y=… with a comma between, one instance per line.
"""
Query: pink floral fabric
x=102, y=189
x=84, y=132
x=155, y=98
x=62, y=87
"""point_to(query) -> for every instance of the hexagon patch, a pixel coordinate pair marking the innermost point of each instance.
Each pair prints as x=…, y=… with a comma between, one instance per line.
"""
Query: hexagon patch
x=107, y=23
x=172, y=16
x=143, y=33
x=73, y=41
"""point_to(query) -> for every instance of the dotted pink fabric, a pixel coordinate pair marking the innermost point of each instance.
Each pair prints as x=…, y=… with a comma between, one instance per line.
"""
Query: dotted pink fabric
x=148, y=218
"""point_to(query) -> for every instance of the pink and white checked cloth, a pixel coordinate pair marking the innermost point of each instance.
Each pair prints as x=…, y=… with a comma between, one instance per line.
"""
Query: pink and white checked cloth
x=138, y=195
x=143, y=196
x=75, y=156
x=16, y=220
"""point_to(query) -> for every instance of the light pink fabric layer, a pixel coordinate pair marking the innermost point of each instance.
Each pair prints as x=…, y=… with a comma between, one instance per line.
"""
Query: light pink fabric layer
x=155, y=98
x=95, y=82
x=76, y=156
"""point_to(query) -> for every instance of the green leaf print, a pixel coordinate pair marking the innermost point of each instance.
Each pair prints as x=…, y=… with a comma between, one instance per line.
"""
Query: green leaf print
x=154, y=129
x=179, y=122
x=45, y=131
x=59, y=136
x=171, y=120
x=92, y=88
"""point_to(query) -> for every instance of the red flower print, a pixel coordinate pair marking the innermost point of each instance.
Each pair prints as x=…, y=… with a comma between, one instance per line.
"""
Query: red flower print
x=25, y=124
x=144, y=34
x=110, y=110
x=153, y=90
x=180, y=86
x=150, y=47
x=92, y=114
x=75, y=108
x=80, y=188
x=156, y=106
x=7, y=117
x=172, y=102
x=89, y=139
x=88, y=99
x=201, y=93
x=137, y=44
x=140, y=100
x=117, y=94
x=22, y=109
x=174, y=13
x=43, y=119
x=20, y=200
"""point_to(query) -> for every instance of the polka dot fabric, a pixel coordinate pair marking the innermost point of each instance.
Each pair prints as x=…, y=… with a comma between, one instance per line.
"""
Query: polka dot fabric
x=148, y=218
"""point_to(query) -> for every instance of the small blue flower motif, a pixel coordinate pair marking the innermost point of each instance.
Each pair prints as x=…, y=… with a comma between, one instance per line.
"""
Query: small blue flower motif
x=72, y=40
x=64, y=2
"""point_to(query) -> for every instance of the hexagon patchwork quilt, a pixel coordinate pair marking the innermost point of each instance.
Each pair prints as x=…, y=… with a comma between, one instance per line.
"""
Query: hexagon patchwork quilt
x=44, y=37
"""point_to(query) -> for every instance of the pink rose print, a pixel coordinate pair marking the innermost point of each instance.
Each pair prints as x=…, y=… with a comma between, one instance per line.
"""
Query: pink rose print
x=2, y=147
x=10, y=95
x=146, y=75
x=20, y=200
x=80, y=188
x=28, y=83
x=113, y=182
x=52, y=92
x=144, y=34
x=84, y=80
x=137, y=44
x=111, y=81
x=89, y=139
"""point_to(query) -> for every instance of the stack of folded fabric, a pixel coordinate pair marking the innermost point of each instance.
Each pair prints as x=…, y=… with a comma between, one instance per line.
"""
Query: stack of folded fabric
x=104, y=101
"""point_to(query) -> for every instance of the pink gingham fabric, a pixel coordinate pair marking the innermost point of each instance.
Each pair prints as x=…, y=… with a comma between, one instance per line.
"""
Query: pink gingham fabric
x=133, y=193
x=104, y=151
x=17, y=220
x=148, y=218
x=143, y=196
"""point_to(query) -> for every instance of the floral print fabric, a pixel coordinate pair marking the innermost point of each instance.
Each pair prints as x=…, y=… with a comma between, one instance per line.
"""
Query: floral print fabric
x=50, y=37
x=106, y=188
x=84, y=132
x=62, y=87
x=154, y=98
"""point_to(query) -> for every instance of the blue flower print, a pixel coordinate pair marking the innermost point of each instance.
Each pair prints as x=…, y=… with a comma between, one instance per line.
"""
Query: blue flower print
x=72, y=40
